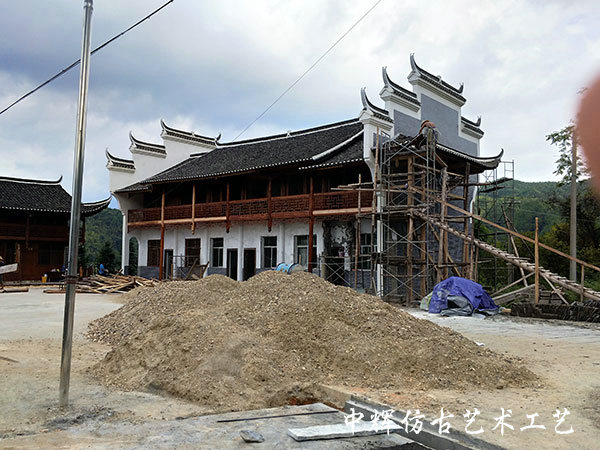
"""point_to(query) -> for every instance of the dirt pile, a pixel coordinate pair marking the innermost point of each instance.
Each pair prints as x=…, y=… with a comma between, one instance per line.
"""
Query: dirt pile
x=245, y=345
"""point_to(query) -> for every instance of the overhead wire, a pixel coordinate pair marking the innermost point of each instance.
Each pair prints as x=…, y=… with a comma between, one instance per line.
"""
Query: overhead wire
x=74, y=64
x=291, y=86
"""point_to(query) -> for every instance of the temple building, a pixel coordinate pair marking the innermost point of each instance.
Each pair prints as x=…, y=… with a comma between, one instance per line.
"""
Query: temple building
x=246, y=206
x=34, y=226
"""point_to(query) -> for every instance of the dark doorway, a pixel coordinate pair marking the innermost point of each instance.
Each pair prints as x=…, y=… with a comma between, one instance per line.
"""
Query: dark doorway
x=232, y=263
x=249, y=263
x=168, y=264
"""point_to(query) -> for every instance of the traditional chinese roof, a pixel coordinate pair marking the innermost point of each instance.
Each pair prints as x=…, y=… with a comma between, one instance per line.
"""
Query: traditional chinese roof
x=119, y=163
x=378, y=112
x=472, y=127
x=135, y=187
x=347, y=152
x=136, y=144
x=398, y=90
x=436, y=81
x=289, y=149
x=41, y=196
x=187, y=135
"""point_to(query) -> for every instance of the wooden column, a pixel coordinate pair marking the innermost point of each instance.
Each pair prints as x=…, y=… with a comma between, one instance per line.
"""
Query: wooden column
x=411, y=229
x=27, y=233
x=193, y=208
x=466, y=221
x=441, y=246
x=269, y=206
x=227, y=222
x=537, y=263
x=311, y=224
x=162, y=237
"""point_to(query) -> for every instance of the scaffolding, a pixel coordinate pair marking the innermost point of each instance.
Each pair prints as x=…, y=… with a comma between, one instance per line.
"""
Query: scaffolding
x=423, y=229
x=495, y=200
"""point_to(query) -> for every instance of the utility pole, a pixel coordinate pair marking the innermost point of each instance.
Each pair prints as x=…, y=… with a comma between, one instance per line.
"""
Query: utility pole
x=72, y=274
x=573, y=221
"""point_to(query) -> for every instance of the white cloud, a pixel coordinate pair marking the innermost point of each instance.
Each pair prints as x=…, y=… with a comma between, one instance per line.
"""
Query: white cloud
x=214, y=66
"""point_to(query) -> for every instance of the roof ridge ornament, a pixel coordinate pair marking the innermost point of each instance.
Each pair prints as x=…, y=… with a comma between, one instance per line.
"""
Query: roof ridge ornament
x=442, y=87
x=31, y=180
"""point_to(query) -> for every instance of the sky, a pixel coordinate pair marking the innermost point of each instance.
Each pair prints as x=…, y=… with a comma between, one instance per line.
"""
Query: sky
x=213, y=66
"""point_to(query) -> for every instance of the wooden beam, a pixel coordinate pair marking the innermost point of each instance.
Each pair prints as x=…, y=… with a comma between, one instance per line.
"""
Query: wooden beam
x=269, y=206
x=162, y=236
x=227, y=207
x=311, y=224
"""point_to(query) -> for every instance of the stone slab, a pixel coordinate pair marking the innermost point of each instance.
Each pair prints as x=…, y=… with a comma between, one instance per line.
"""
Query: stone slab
x=342, y=430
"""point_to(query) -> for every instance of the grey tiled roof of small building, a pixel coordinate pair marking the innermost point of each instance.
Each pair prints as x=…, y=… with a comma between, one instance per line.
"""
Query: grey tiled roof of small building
x=253, y=154
x=37, y=195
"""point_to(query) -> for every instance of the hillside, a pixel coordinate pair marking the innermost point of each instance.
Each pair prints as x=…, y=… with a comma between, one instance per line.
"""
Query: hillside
x=531, y=200
x=104, y=226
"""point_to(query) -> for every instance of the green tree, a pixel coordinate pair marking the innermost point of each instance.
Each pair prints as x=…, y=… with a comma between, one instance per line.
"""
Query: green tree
x=107, y=256
x=563, y=139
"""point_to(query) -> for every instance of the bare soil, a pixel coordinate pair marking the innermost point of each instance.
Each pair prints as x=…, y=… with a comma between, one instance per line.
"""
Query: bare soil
x=235, y=346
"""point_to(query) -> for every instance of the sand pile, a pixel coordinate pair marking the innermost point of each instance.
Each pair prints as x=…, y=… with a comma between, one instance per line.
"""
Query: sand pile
x=245, y=345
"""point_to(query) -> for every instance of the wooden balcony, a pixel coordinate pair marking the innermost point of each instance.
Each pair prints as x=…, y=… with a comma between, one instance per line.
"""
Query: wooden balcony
x=35, y=232
x=322, y=205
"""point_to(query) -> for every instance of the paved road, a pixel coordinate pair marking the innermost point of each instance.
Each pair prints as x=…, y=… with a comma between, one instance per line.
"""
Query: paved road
x=35, y=315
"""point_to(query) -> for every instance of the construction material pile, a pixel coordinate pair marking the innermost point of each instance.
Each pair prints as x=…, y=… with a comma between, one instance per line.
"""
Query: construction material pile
x=235, y=345
x=113, y=284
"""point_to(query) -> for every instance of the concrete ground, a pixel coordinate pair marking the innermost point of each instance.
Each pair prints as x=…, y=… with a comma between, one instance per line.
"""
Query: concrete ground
x=35, y=315
x=565, y=355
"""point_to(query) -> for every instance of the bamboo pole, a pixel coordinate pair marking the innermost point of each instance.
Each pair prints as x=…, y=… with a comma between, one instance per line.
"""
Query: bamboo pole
x=466, y=219
x=357, y=249
x=537, y=263
x=441, y=247
x=411, y=225
x=514, y=233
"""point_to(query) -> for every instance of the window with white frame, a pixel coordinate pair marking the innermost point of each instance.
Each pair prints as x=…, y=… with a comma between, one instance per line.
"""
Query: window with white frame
x=217, y=252
x=269, y=252
x=301, y=249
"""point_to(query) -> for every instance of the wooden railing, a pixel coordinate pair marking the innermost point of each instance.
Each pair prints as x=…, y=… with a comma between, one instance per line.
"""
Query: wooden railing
x=293, y=205
x=36, y=232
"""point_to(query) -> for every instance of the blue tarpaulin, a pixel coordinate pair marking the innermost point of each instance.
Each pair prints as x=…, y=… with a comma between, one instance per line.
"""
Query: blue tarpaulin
x=451, y=293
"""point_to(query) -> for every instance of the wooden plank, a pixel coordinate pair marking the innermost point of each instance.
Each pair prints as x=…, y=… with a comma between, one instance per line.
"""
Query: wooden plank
x=9, y=268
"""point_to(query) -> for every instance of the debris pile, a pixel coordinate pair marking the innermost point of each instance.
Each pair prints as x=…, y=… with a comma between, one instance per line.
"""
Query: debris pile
x=233, y=345
x=98, y=284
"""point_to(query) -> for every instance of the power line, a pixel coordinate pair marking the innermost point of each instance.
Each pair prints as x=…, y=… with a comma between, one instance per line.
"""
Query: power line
x=309, y=69
x=66, y=69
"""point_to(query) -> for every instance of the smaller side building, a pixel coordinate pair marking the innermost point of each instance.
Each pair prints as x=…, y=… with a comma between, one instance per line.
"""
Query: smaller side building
x=34, y=225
